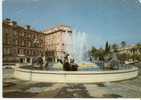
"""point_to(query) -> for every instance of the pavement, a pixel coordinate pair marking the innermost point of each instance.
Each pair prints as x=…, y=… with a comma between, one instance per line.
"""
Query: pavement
x=14, y=88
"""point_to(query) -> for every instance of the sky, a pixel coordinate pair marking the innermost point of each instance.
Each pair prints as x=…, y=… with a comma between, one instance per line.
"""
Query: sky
x=102, y=20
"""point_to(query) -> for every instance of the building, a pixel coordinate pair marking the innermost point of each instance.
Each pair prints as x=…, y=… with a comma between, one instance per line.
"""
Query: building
x=57, y=40
x=21, y=44
x=131, y=49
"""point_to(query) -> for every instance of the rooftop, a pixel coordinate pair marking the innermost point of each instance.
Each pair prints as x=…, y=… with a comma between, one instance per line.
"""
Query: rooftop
x=56, y=28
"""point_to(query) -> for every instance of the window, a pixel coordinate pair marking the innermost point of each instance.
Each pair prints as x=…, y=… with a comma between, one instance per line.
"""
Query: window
x=8, y=41
x=15, y=33
x=21, y=60
x=35, y=36
x=23, y=43
x=22, y=51
x=29, y=52
x=6, y=30
x=29, y=44
x=22, y=33
x=32, y=53
x=28, y=35
x=28, y=60
x=4, y=51
x=8, y=50
x=25, y=51
x=16, y=42
x=18, y=51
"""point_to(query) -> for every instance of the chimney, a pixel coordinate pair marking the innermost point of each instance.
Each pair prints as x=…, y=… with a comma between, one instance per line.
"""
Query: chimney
x=14, y=23
x=28, y=27
x=7, y=20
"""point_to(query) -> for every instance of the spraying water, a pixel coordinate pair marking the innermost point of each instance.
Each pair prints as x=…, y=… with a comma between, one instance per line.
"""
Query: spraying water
x=77, y=46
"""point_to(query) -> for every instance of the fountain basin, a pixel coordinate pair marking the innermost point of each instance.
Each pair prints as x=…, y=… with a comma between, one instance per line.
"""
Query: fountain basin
x=75, y=76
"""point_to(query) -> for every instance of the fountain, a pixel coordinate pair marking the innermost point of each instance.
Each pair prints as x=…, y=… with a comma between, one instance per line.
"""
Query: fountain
x=77, y=49
x=76, y=68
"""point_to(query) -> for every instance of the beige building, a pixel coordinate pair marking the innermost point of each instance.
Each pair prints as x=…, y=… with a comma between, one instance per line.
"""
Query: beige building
x=132, y=49
x=57, y=40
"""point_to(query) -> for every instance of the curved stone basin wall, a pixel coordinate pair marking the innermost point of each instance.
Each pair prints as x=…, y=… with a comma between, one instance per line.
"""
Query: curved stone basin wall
x=75, y=76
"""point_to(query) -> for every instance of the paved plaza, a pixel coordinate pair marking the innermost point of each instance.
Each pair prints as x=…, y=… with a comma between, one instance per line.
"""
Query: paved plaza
x=26, y=89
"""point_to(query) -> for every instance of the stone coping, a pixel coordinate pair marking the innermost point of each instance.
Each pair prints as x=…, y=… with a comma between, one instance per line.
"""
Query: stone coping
x=75, y=76
x=79, y=72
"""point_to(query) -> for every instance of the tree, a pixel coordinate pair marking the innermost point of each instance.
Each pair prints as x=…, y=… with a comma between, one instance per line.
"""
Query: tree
x=107, y=48
x=123, y=57
x=100, y=54
x=123, y=44
x=97, y=53
x=115, y=47
x=93, y=52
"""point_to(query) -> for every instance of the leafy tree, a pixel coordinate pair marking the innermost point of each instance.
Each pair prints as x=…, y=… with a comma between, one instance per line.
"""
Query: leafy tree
x=100, y=54
x=123, y=57
x=97, y=53
x=115, y=47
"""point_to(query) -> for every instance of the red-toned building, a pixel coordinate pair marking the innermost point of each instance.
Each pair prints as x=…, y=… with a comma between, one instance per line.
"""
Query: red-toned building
x=21, y=44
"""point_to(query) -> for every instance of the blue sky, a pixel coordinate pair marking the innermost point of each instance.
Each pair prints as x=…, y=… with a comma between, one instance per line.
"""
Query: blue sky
x=102, y=20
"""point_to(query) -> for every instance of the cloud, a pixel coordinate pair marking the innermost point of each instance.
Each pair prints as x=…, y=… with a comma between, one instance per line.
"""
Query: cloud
x=140, y=1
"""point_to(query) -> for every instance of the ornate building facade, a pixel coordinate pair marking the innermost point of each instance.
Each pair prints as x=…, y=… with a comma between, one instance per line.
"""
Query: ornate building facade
x=22, y=44
x=56, y=41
